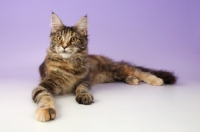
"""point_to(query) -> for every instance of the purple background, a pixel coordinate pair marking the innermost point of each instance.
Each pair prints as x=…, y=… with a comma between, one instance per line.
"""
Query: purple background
x=153, y=33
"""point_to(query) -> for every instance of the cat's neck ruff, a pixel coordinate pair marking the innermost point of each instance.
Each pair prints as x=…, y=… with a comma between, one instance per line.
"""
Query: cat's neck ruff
x=54, y=54
x=65, y=55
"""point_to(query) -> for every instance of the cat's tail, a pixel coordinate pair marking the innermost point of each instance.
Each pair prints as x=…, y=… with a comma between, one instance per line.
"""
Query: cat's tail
x=166, y=76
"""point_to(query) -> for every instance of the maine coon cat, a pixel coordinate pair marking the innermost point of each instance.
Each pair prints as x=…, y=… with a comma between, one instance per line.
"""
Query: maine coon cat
x=68, y=68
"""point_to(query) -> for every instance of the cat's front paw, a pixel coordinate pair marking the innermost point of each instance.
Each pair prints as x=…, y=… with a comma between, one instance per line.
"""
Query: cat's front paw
x=84, y=98
x=45, y=114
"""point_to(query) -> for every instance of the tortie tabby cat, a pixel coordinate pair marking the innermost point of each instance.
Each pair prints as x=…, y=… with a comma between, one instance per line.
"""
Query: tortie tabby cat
x=68, y=68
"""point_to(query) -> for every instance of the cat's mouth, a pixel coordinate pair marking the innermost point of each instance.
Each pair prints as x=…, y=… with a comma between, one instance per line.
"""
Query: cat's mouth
x=67, y=52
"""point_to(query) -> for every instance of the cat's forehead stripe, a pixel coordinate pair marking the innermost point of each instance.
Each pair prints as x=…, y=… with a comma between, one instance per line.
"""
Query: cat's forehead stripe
x=68, y=35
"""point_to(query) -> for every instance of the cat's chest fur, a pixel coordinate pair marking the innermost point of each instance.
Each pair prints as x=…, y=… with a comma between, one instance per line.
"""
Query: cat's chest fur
x=72, y=70
x=75, y=65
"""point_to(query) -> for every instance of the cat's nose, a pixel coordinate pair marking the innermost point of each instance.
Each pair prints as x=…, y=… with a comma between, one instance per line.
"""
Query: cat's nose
x=64, y=46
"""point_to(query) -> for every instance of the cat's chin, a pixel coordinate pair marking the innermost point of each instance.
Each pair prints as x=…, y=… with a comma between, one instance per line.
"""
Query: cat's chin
x=65, y=55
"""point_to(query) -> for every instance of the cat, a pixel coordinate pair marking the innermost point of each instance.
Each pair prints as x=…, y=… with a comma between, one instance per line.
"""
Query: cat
x=68, y=68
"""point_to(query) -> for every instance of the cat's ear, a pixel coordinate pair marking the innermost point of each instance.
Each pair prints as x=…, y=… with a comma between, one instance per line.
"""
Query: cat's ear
x=82, y=26
x=56, y=23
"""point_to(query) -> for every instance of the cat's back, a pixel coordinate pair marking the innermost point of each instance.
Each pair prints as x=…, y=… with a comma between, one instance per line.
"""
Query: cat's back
x=99, y=67
x=98, y=61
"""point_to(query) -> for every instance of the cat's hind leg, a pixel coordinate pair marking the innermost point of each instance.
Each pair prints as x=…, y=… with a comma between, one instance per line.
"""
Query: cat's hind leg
x=132, y=80
x=147, y=77
x=133, y=75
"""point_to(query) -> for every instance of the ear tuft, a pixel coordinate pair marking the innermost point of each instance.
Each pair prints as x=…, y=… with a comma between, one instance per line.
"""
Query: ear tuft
x=82, y=25
x=56, y=23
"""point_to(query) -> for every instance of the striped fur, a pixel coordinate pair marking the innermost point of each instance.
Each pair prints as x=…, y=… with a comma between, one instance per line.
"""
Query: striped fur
x=68, y=68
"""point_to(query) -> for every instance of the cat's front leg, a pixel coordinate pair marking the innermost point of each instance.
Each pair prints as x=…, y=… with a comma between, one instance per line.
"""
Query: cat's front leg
x=83, y=96
x=46, y=105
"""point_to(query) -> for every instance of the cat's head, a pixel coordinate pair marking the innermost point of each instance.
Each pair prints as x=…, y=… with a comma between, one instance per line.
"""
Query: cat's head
x=67, y=41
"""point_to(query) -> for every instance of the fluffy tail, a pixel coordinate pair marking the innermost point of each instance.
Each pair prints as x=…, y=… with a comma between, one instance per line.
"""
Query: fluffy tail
x=168, y=77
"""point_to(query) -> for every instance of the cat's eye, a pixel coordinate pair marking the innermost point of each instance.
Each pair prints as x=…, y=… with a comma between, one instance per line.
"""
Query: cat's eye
x=60, y=39
x=73, y=39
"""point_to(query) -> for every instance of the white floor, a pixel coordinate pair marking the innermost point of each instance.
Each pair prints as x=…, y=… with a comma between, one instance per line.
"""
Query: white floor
x=118, y=107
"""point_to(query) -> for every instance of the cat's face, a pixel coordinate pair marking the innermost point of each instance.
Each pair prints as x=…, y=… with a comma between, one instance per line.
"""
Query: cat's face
x=67, y=41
